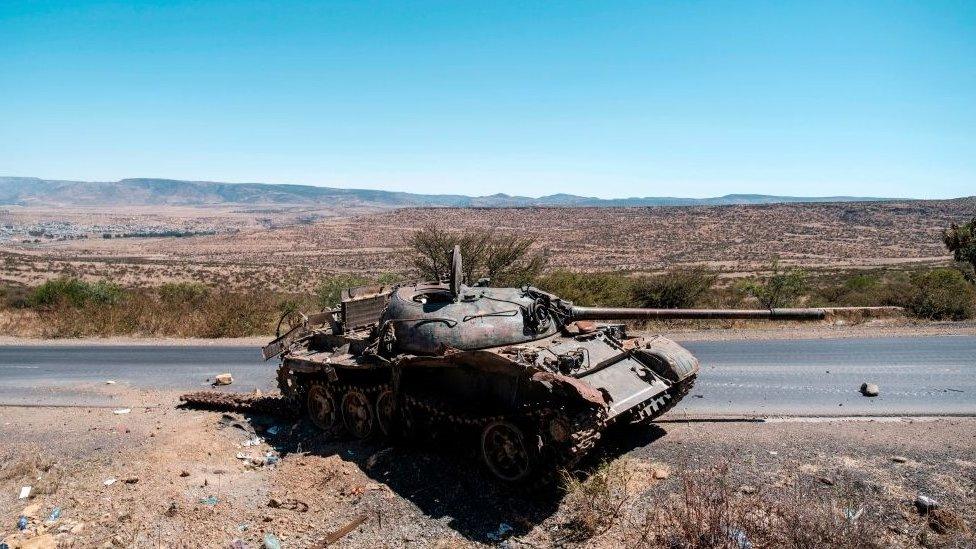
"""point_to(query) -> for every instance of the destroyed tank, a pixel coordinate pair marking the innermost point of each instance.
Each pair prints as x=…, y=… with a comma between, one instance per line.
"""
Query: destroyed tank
x=533, y=379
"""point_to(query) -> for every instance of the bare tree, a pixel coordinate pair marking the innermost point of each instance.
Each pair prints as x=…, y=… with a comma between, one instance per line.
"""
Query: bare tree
x=505, y=259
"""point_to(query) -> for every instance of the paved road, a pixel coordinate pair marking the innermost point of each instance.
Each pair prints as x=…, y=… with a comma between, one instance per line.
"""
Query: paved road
x=917, y=376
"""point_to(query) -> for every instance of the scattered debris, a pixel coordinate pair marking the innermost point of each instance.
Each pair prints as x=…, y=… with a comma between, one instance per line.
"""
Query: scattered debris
x=171, y=510
x=747, y=489
x=271, y=541
x=120, y=411
x=110, y=382
x=273, y=430
x=131, y=480
x=661, y=474
x=109, y=481
x=773, y=453
x=22, y=523
x=870, y=390
x=826, y=480
x=738, y=536
x=343, y=532
x=925, y=504
x=899, y=459
x=853, y=515
x=269, y=458
x=223, y=379
x=209, y=500
x=375, y=458
x=25, y=492
x=55, y=514
x=504, y=530
x=184, y=473
x=252, y=441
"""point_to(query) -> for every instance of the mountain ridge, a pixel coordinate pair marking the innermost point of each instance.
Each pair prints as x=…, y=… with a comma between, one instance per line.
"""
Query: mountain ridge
x=32, y=191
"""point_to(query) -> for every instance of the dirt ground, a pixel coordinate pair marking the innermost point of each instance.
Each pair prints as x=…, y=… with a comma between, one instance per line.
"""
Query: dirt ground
x=178, y=481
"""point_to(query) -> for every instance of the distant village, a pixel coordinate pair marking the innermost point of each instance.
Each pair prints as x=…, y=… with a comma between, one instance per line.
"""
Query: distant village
x=55, y=231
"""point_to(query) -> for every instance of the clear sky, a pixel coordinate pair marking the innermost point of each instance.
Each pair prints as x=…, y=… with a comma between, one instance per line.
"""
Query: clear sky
x=609, y=99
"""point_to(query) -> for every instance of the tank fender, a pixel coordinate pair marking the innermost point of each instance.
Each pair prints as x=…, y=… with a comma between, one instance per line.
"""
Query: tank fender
x=586, y=392
x=668, y=359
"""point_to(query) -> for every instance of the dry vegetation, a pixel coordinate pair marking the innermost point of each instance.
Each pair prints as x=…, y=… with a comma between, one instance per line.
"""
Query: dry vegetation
x=278, y=250
x=263, y=262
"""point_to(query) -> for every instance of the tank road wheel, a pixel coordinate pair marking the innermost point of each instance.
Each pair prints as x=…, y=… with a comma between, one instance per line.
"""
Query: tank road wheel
x=384, y=411
x=357, y=414
x=322, y=409
x=507, y=451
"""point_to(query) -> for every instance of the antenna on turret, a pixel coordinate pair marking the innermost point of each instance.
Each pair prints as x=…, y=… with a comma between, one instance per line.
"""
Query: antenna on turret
x=456, y=272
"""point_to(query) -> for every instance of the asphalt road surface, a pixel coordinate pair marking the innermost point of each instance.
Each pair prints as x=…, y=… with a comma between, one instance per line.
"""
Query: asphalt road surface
x=917, y=376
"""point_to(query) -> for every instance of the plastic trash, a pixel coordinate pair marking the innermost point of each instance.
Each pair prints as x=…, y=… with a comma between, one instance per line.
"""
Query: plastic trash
x=738, y=536
x=24, y=492
x=209, y=500
x=853, y=514
x=55, y=514
x=22, y=523
x=504, y=530
x=121, y=411
x=271, y=541
x=109, y=481
x=926, y=504
x=273, y=430
x=110, y=382
x=252, y=441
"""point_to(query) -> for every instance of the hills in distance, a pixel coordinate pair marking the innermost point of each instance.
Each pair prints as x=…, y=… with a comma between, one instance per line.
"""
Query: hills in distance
x=31, y=191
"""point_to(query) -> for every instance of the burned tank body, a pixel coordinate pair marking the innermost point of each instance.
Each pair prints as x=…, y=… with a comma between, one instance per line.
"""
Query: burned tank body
x=532, y=378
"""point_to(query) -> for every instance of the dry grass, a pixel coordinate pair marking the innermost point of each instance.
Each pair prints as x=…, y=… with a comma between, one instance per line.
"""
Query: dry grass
x=595, y=502
x=30, y=469
x=705, y=509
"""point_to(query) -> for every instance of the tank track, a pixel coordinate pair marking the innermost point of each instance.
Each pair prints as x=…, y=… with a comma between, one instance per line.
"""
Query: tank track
x=674, y=395
x=585, y=428
x=236, y=402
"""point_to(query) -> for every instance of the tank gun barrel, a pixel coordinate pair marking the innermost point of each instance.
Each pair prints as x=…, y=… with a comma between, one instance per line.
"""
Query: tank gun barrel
x=623, y=313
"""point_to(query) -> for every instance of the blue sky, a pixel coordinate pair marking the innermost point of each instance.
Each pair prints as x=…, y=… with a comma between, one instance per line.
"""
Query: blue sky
x=608, y=99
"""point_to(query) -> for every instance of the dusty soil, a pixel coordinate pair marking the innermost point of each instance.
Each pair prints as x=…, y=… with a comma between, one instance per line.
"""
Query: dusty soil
x=179, y=482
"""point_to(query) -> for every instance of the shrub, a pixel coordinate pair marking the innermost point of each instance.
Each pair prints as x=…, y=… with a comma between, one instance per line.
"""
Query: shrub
x=853, y=291
x=941, y=294
x=179, y=293
x=679, y=288
x=595, y=503
x=780, y=289
x=588, y=289
x=961, y=241
x=75, y=293
x=329, y=290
